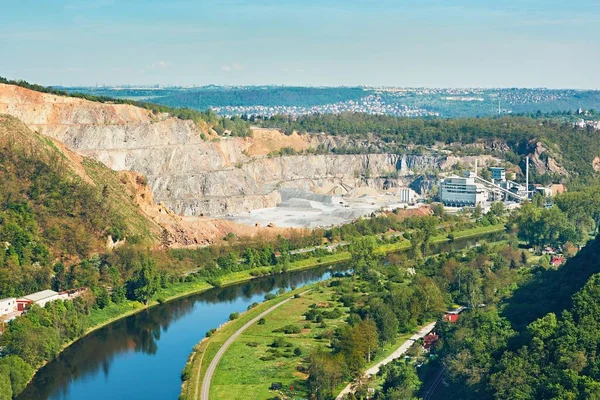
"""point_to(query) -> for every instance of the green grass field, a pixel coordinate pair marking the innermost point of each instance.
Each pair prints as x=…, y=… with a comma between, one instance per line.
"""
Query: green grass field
x=252, y=363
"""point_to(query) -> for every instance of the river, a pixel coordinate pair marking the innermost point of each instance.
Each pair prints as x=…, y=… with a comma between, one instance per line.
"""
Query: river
x=141, y=356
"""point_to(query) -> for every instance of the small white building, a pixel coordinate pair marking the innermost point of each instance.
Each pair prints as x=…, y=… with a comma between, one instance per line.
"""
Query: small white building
x=8, y=306
x=456, y=191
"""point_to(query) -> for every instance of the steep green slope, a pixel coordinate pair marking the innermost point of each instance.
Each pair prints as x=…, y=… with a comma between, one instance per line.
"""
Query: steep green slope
x=56, y=206
x=543, y=344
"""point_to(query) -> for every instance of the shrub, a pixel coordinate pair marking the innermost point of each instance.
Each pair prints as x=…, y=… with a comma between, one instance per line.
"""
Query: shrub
x=297, y=351
x=210, y=332
x=252, y=344
x=279, y=342
x=216, y=282
x=270, y=296
x=288, y=329
x=261, y=321
x=234, y=315
x=187, y=372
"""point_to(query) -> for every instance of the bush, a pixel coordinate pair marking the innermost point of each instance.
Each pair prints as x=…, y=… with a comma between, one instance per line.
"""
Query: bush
x=279, y=342
x=187, y=372
x=261, y=321
x=216, y=282
x=234, y=315
x=252, y=344
x=288, y=329
x=297, y=351
x=270, y=296
x=210, y=332
x=251, y=306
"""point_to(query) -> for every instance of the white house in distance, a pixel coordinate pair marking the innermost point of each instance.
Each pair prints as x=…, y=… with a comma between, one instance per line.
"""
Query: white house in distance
x=8, y=308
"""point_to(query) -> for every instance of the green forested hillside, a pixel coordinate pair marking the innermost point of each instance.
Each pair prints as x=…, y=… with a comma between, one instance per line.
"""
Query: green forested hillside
x=542, y=344
x=48, y=213
x=573, y=146
x=252, y=96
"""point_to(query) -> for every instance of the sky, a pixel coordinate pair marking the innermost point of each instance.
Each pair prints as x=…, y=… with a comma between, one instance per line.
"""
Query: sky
x=409, y=43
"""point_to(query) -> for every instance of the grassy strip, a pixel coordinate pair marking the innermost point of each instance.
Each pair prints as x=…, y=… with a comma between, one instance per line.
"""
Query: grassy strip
x=207, y=349
x=253, y=362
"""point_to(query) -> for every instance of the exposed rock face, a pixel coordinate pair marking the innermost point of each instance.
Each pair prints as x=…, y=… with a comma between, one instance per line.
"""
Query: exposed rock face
x=193, y=176
x=596, y=163
x=544, y=163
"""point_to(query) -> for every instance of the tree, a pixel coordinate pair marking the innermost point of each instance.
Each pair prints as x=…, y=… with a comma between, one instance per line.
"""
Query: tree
x=165, y=239
x=145, y=281
x=6, y=392
x=438, y=210
x=362, y=252
x=497, y=209
x=387, y=323
x=325, y=372
x=401, y=382
x=19, y=373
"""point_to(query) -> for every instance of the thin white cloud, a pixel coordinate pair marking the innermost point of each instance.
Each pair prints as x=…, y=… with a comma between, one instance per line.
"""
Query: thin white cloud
x=159, y=65
x=233, y=67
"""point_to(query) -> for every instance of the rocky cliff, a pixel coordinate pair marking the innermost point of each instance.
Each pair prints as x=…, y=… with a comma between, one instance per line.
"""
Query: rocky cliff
x=192, y=171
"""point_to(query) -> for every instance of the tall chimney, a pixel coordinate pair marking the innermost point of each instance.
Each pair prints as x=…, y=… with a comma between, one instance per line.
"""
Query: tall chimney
x=527, y=176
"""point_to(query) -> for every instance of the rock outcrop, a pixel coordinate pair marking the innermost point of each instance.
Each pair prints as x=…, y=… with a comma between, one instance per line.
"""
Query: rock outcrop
x=195, y=173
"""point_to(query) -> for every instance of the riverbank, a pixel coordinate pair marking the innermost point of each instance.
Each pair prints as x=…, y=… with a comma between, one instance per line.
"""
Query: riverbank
x=114, y=312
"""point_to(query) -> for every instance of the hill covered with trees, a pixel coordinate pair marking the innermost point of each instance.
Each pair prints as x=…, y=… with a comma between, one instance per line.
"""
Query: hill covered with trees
x=540, y=344
x=509, y=137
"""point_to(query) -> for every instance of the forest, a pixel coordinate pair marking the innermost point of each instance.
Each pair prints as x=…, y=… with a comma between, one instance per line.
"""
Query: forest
x=575, y=147
x=270, y=97
x=541, y=343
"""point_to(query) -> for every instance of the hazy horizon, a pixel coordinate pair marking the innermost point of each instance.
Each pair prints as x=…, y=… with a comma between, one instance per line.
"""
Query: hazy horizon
x=404, y=43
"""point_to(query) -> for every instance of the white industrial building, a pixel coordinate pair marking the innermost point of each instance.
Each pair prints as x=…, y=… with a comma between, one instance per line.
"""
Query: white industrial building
x=459, y=191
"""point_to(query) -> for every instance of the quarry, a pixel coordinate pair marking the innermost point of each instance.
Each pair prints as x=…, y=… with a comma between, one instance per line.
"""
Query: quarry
x=199, y=177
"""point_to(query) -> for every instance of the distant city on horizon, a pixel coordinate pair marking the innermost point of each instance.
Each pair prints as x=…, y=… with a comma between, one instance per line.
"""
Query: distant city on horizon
x=270, y=100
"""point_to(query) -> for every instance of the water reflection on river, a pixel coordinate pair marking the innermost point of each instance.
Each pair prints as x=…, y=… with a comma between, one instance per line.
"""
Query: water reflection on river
x=141, y=357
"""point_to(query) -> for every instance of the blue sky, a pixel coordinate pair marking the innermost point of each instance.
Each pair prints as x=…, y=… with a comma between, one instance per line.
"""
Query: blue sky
x=435, y=43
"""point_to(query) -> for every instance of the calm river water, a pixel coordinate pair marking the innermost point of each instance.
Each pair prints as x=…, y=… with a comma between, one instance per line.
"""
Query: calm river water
x=141, y=356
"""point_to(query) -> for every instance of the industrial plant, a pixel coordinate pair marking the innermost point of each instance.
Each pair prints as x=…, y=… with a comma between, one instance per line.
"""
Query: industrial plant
x=472, y=190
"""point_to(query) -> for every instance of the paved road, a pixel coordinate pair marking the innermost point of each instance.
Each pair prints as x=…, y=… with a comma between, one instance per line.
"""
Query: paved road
x=396, y=354
x=215, y=361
